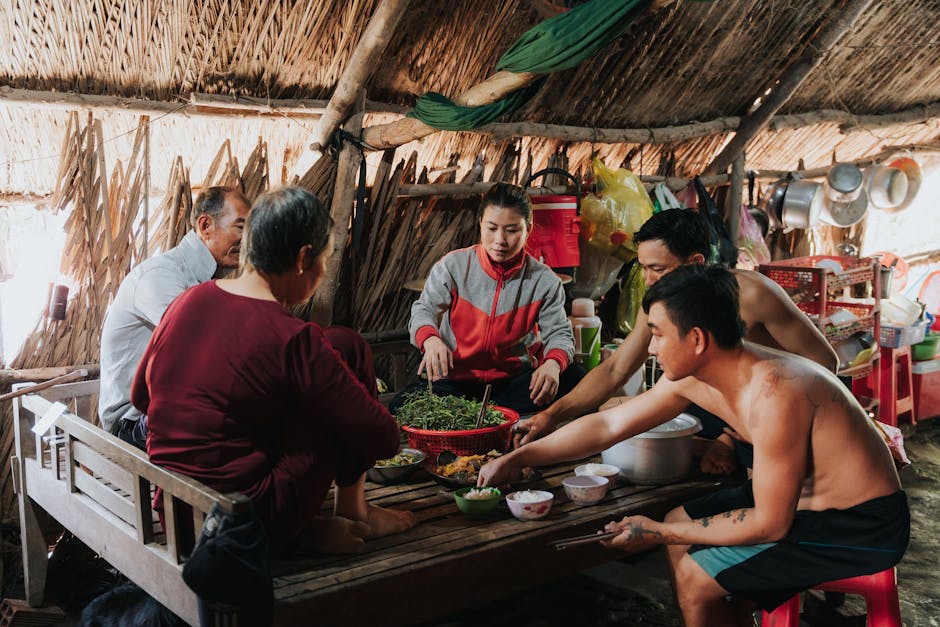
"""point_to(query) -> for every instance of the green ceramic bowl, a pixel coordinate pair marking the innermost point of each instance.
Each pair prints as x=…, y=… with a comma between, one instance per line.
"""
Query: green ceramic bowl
x=477, y=506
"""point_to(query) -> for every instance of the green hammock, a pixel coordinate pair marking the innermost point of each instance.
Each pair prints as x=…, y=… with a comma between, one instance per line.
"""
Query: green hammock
x=566, y=40
x=558, y=43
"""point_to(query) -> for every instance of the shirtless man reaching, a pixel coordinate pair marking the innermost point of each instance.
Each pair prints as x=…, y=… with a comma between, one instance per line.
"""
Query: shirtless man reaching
x=804, y=517
x=666, y=241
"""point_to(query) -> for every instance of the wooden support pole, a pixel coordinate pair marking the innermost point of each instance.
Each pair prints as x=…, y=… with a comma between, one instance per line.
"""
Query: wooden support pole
x=805, y=63
x=198, y=105
x=41, y=374
x=674, y=183
x=344, y=195
x=814, y=173
x=370, y=47
x=733, y=212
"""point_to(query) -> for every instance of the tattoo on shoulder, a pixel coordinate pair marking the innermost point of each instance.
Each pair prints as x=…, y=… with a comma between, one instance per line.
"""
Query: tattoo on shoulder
x=775, y=377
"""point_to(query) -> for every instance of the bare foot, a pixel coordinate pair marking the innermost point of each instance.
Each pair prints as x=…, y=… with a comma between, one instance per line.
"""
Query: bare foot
x=718, y=459
x=335, y=535
x=385, y=522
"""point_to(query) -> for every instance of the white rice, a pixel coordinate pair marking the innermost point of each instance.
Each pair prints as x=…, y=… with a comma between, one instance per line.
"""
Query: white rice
x=479, y=494
x=527, y=496
x=594, y=469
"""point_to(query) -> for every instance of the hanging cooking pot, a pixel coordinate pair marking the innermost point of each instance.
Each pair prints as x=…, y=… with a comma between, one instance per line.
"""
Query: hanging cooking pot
x=887, y=187
x=802, y=204
x=912, y=171
x=844, y=214
x=772, y=202
x=843, y=182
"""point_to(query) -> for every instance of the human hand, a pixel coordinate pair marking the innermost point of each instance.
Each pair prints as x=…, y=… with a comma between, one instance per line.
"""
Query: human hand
x=437, y=360
x=636, y=533
x=544, y=382
x=496, y=472
x=541, y=424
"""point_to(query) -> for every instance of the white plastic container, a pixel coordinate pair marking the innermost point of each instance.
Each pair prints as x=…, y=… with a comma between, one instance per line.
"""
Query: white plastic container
x=661, y=455
x=587, y=332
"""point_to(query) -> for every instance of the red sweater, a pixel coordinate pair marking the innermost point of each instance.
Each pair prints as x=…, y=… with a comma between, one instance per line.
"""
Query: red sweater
x=244, y=397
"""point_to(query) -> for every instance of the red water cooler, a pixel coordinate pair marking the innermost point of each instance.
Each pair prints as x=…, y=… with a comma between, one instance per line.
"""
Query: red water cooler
x=556, y=222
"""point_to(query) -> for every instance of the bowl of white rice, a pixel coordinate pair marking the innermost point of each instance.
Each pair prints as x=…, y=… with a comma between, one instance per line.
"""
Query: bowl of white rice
x=598, y=470
x=530, y=504
x=477, y=501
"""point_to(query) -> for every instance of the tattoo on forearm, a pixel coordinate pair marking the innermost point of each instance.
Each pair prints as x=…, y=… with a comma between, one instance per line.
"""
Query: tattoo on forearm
x=736, y=516
x=705, y=521
x=637, y=532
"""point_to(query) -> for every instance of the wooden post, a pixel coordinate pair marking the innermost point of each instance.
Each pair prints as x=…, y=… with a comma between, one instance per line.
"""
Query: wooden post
x=355, y=75
x=812, y=56
x=733, y=213
x=344, y=195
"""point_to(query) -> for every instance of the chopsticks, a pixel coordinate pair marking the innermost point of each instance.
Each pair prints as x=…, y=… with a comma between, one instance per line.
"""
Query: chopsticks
x=486, y=399
x=561, y=545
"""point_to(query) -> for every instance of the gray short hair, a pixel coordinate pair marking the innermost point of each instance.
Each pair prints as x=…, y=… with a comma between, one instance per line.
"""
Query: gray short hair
x=282, y=221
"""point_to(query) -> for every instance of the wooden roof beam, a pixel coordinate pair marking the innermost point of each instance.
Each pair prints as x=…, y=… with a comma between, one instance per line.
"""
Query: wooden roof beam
x=811, y=56
x=362, y=63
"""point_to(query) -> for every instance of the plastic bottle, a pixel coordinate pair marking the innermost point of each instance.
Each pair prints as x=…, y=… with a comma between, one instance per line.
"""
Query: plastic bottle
x=587, y=332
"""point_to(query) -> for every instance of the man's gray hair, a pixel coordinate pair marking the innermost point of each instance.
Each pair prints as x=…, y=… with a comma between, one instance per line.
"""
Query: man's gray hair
x=211, y=201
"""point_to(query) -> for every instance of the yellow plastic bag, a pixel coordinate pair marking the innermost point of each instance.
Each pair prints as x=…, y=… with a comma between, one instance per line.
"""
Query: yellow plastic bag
x=611, y=217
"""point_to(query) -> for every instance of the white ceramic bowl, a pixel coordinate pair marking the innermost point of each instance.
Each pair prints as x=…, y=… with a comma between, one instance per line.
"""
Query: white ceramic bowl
x=530, y=510
x=609, y=471
x=585, y=489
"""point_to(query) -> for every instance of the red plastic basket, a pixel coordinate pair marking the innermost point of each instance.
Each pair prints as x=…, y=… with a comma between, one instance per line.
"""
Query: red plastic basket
x=865, y=319
x=801, y=273
x=470, y=442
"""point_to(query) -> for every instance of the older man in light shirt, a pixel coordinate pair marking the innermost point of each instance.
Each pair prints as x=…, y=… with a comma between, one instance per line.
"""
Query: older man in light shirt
x=212, y=246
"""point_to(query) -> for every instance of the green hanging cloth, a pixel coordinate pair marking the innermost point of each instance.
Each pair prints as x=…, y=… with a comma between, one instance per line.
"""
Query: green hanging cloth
x=558, y=43
x=442, y=113
x=567, y=39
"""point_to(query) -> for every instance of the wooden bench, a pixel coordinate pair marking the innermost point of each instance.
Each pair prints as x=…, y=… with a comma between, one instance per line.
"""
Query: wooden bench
x=99, y=488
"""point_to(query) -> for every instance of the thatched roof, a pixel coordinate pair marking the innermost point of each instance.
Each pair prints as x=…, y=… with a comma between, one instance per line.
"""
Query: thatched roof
x=689, y=62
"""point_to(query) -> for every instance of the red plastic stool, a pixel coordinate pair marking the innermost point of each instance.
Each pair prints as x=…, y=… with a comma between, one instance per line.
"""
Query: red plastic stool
x=881, y=600
x=897, y=386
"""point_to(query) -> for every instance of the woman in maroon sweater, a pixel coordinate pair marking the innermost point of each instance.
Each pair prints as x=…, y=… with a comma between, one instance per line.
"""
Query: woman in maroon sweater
x=245, y=397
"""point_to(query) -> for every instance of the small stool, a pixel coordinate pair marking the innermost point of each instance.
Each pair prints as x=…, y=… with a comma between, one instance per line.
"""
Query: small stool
x=881, y=600
x=897, y=386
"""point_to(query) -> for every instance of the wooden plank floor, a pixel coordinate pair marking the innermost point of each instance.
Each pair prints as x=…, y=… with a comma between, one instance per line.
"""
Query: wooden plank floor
x=450, y=561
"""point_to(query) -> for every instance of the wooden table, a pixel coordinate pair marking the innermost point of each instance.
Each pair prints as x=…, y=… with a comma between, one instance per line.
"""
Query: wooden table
x=451, y=561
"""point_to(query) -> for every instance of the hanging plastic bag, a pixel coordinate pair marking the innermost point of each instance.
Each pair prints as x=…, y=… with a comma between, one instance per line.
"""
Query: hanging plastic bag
x=723, y=250
x=631, y=299
x=894, y=440
x=664, y=199
x=611, y=217
x=751, y=240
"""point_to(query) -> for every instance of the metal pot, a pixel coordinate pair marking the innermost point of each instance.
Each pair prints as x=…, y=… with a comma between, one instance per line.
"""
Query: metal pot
x=845, y=214
x=844, y=182
x=802, y=204
x=912, y=171
x=887, y=187
x=661, y=455
x=773, y=201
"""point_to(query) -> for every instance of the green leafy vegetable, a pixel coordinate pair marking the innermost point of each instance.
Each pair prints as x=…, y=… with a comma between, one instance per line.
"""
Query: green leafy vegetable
x=444, y=413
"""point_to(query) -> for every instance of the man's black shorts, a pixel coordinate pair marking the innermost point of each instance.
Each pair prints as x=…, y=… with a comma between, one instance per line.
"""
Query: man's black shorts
x=820, y=546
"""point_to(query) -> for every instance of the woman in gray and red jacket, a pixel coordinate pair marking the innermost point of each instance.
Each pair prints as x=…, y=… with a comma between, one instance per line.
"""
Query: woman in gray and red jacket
x=491, y=313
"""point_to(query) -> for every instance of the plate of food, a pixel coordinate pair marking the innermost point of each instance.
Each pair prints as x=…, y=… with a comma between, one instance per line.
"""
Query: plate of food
x=461, y=471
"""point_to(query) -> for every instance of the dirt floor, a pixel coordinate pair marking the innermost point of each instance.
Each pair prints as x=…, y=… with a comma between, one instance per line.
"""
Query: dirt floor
x=630, y=591
x=635, y=590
